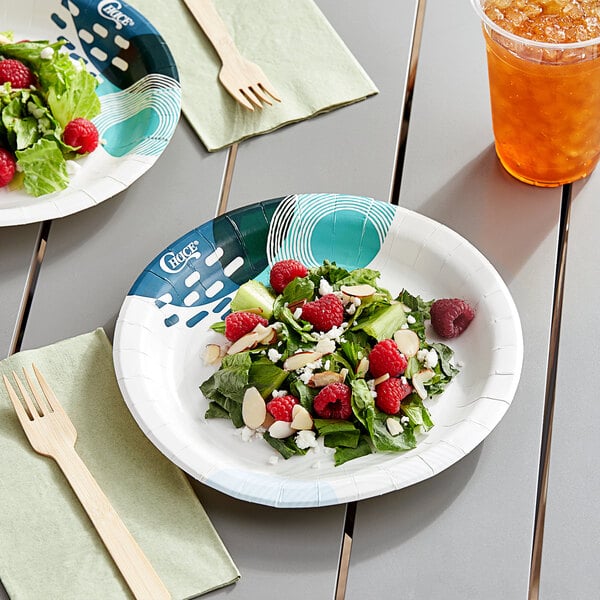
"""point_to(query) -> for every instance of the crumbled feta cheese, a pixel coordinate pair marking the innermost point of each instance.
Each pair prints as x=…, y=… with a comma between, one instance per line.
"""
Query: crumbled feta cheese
x=35, y=111
x=404, y=420
x=335, y=333
x=317, y=364
x=274, y=459
x=432, y=359
x=247, y=434
x=47, y=53
x=326, y=346
x=306, y=439
x=325, y=287
x=297, y=313
x=327, y=365
x=273, y=355
x=411, y=320
x=305, y=376
x=278, y=393
x=404, y=326
x=351, y=309
x=429, y=358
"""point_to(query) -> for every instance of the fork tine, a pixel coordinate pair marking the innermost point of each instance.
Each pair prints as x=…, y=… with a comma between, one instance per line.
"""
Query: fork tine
x=266, y=86
x=258, y=92
x=17, y=404
x=31, y=407
x=241, y=98
x=251, y=95
x=51, y=398
x=42, y=404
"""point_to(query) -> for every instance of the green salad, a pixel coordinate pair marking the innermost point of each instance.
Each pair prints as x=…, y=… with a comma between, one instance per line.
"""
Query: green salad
x=289, y=374
x=33, y=117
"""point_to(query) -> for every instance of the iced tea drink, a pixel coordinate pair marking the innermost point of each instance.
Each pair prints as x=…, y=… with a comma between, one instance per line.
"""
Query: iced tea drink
x=544, y=73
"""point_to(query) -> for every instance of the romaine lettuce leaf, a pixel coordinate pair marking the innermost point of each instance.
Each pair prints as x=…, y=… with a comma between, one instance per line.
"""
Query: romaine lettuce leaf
x=266, y=376
x=383, y=323
x=44, y=168
x=286, y=447
x=343, y=454
x=79, y=100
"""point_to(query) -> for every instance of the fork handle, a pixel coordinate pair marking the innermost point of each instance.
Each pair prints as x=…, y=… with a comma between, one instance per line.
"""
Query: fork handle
x=137, y=571
x=216, y=31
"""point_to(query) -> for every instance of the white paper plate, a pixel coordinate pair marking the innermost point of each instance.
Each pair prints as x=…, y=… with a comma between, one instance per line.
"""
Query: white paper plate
x=162, y=331
x=139, y=92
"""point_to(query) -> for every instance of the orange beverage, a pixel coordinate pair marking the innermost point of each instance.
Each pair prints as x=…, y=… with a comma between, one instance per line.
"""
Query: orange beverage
x=544, y=73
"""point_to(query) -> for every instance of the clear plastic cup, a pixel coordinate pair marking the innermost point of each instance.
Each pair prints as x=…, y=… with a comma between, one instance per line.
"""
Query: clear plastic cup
x=545, y=103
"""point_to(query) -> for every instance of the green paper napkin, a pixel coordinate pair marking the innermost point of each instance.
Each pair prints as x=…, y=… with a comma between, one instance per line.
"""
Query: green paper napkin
x=291, y=40
x=48, y=547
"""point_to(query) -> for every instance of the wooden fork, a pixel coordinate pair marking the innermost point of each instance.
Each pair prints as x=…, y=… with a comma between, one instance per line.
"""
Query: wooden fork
x=51, y=433
x=243, y=79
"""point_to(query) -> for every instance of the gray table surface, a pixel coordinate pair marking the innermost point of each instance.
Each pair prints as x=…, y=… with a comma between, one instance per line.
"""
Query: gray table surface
x=468, y=532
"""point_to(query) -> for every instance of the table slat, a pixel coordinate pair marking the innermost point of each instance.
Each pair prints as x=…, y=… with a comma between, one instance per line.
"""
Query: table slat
x=570, y=548
x=466, y=533
x=350, y=150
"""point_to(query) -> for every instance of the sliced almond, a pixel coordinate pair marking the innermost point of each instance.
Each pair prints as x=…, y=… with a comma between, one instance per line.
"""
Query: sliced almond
x=266, y=334
x=246, y=342
x=254, y=409
x=298, y=304
x=301, y=418
x=363, y=290
x=270, y=339
x=407, y=342
x=212, y=354
x=362, y=367
x=394, y=426
x=300, y=359
x=381, y=378
x=419, y=378
x=324, y=378
x=280, y=430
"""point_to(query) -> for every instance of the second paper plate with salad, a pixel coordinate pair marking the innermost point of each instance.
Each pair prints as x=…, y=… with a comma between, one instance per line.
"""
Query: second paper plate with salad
x=131, y=95
x=290, y=404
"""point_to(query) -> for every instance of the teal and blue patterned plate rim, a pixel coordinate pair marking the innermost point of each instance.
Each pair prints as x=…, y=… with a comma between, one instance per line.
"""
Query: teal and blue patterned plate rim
x=163, y=328
x=138, y=88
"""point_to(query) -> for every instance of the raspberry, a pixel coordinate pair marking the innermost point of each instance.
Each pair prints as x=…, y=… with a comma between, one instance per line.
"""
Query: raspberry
x=450, y=316
x=16, y=73
x=386, y=358
x=333, y=402
x=390, y=394
x=240, y=323
x=8, y=167
x=82, y=135
x=285, y=271
x=282, y=406
x=324, y=313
